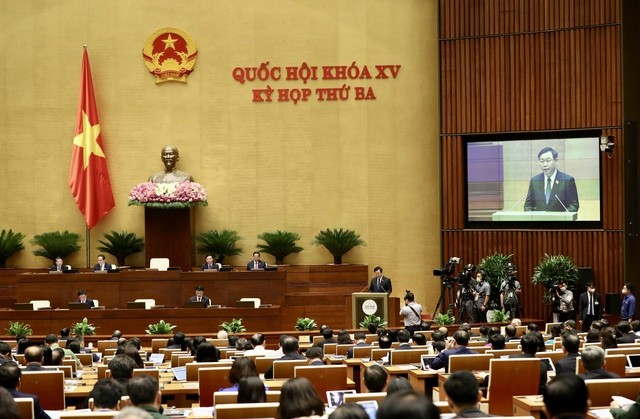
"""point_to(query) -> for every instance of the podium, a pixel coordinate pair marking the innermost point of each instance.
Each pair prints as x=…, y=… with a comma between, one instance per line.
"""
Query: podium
x=534, y=216
x=168, y=234
x=367, y=303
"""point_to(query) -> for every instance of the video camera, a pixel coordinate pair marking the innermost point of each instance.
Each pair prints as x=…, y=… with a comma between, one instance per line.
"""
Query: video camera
x=466, y=276
x=446, y=272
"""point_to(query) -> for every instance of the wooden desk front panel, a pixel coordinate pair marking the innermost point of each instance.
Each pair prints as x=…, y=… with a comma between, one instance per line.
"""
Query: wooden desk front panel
x=171, y=288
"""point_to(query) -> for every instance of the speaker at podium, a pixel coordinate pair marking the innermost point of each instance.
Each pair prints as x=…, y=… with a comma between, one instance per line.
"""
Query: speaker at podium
x=368, y=303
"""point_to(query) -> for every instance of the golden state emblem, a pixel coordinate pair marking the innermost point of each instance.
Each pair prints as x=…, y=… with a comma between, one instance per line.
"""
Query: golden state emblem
x=170, y=54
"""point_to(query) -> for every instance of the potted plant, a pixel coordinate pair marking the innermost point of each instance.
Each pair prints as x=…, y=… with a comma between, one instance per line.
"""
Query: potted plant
x=498, y=316
x=338, y=242
x=234, y=326
x=219, y=244
x=10, y=243
x=55, y=243
x=160, y=328
x=83, y=328
x=495, y=270
x=121, y=245
x=280, y=244
x=305, y=323
x=19, y=329
x=554, y=269
x=444, y=319
x=371, y=318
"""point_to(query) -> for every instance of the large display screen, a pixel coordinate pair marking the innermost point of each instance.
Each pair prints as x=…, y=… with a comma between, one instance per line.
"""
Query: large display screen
x=544, y=180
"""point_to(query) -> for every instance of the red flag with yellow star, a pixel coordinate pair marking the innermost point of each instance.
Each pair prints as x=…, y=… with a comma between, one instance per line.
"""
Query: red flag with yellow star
x=88, y=175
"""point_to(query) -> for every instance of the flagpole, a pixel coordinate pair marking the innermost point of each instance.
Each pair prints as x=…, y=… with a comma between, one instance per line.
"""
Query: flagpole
x=88, y=234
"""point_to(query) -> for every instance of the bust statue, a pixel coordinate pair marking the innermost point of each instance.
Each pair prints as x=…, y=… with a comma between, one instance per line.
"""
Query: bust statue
x=170, y=156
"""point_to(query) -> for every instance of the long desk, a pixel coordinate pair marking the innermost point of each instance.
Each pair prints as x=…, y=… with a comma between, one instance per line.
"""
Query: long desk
x=135, y=322
x=168, y=288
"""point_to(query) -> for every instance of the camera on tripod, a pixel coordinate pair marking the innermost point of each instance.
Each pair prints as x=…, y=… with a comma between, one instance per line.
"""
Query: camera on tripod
x=465, y=277
x=446, y=272
x=511, y=274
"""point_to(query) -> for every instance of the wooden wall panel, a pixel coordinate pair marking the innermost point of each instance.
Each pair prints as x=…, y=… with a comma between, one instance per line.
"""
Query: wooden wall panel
x=511, y=66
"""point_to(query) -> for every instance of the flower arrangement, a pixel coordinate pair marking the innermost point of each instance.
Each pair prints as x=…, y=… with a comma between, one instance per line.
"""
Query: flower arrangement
x=168, y=195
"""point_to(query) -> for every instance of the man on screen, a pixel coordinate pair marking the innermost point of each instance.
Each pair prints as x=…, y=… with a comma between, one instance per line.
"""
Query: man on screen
x=551, y=190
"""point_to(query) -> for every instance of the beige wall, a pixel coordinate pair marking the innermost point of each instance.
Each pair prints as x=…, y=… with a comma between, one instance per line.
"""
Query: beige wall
x=371, y=166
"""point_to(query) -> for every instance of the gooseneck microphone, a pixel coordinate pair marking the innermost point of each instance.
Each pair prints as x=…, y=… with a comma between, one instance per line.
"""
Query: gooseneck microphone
x=519, y=201
x=561, y=203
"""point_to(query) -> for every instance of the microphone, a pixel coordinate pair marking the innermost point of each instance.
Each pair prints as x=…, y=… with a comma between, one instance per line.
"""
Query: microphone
x=519, y=201
x=561, y=203
x=366, y=287
x=382, y=288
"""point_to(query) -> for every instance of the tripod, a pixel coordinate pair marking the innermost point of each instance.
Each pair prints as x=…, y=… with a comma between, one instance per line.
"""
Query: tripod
x=446, y=284
x=511, y=302
x=466, y=297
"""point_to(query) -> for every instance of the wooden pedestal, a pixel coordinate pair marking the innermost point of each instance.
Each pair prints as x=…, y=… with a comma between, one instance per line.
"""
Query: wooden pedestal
x=168, y=234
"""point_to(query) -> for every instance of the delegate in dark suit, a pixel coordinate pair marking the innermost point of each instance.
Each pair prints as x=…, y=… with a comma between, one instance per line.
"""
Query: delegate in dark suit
x=359, y=344
x=38, y=412
x=597, y=374
x=256, y=265
x=380, y=285
x=442, y=360
x=288, y=356
x=89, y=302
x=97, y=267
x=583, y=309
x=562, y=189
x=206, y=266
x=206, y=302
x=567, y=364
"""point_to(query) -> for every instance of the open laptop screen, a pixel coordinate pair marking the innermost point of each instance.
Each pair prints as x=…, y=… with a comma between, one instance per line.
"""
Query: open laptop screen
x=180, y=373
x=426, y=360
x=633, y=360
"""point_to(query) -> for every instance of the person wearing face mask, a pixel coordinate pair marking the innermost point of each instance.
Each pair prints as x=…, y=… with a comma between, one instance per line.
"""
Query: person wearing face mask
x=481, y=297
x=564, y=298
x=589, y=306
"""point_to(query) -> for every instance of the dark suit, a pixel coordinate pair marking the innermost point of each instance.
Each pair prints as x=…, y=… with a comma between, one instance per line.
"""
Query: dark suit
x=38, y=412
x=207, y=266
x=599, y=373
x=291, y=356
x=251, y=265
x=322, y=342
x=472, y=412
x=34, y=366
x=628, y=338
x=567, y=364
x=442, y=360
x=583, y=309
x=563, y=188
x=403, y=347
x=206, y=302
x=107, y=267
x=54, y=268
x=89, y=302
x=384, y=286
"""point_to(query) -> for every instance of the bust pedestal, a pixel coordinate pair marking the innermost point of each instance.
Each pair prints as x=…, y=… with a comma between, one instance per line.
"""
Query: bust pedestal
x=168, y=234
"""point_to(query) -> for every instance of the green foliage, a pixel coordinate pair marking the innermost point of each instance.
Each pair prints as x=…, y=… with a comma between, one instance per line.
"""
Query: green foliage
x=83, y=328
x=121, y=245
x=220, y=245
x=160, y=328
x=234, y=326
x=553, y=269
x=55, y=243
x=305, y=323
x=19, y=329
x=371, y=318
x=10, y=243
x=338, y=242
x=500, y=316
x=495, y=269
x=280, y=244
x=443, y=319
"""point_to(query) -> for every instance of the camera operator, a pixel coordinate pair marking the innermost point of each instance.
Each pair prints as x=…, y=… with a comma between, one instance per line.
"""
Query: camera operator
x=411, y=313
x=509, y=291
x=564, y=298
x=481, y=297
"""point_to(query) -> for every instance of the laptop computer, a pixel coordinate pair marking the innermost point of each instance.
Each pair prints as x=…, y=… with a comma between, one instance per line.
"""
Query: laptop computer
x=23, y=306
x=249, y=304
x=76, y=305
x=194, y=304
x=371, y=407
x=633, y=360
x=179, y=373
x=336, y=397
x=426, y=360
x=549, y=362
x=156, y=358
x=136, y=304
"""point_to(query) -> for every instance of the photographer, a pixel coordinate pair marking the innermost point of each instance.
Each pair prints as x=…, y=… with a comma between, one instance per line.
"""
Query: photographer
x=411, y=313
x=563, y=297
x=481, y=297
x=509, y=291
